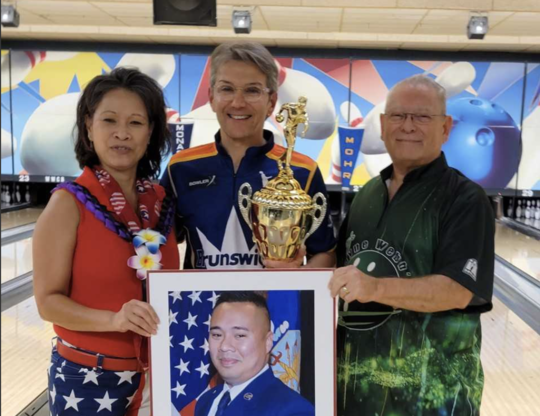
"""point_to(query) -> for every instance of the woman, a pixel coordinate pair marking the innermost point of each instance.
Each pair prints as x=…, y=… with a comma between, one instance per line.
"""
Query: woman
x=94, y=242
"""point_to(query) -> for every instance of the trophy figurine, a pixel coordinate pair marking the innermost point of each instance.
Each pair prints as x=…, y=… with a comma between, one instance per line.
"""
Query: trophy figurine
x=282, y=215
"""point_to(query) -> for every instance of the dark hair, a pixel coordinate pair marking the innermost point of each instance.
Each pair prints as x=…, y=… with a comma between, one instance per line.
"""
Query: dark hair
x=248, y=52
x=151, y=94
x=257, y=298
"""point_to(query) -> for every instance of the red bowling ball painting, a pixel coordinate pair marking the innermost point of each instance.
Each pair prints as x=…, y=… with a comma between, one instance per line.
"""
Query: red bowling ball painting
x=495, y=106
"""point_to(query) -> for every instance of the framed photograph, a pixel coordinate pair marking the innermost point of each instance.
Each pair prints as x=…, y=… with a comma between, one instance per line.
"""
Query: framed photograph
x=221, y=329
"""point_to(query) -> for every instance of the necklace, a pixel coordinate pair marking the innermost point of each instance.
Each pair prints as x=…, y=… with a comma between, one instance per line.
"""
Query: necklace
x=146, y=242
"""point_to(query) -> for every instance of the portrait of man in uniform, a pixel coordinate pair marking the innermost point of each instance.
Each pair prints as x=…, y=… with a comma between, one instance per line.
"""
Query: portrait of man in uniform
x=240, y=343
x=264, y=340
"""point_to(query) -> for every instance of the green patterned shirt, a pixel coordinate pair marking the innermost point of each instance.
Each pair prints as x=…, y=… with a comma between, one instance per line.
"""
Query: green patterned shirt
x=405, y=363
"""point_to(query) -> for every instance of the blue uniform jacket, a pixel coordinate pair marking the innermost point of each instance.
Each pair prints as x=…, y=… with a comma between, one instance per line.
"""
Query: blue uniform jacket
x=264, y=396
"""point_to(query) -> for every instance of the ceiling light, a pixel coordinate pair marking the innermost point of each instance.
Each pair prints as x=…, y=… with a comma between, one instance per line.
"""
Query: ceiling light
x=478, y=27
x=241, y=21
x=10, y=16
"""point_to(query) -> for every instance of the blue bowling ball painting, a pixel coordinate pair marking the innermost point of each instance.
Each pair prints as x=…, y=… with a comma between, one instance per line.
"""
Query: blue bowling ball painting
x=484, y=143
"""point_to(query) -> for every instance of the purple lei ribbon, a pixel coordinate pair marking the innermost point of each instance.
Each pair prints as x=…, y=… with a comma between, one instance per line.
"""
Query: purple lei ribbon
x=102, y=214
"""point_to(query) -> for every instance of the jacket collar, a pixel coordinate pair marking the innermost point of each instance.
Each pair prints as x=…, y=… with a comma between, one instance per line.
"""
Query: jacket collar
x=434, y=168
x=251, y=151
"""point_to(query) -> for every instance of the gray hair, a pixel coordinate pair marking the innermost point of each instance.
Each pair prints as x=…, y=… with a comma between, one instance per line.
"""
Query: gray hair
x=424, y=81
x=248, y=52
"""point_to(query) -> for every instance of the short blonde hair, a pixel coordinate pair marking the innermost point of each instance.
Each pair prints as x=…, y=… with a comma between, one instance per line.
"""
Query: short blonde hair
x=248, y=52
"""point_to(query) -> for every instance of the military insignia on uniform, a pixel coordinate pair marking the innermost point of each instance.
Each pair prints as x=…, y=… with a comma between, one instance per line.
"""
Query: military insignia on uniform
x=471, y=268
x=285, y=359
x=248, y=396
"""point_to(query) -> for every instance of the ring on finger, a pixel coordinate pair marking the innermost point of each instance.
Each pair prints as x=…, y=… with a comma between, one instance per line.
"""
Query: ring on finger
x=345, y=290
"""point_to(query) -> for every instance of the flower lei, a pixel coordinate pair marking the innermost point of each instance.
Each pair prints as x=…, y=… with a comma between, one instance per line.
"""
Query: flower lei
x=146, y=242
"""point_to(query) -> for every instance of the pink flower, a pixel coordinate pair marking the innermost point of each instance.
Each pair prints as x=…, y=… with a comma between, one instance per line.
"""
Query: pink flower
x=144, y=261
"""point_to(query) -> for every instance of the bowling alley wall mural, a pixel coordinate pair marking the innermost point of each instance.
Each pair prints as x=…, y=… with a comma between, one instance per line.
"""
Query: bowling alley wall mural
x=495, y=106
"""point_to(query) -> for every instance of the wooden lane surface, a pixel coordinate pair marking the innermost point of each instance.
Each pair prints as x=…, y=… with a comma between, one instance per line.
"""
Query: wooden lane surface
x=511, y=361
x=519, y=249
x=510, y=356
x=21, y=217
x=16, y=259
x=26, y=351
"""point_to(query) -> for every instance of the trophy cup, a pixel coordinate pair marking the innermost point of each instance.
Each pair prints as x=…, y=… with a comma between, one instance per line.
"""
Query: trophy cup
x=282, y=215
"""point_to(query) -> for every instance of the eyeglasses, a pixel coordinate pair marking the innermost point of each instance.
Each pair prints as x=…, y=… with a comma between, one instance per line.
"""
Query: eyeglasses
x=398, y=118
x=251, y=94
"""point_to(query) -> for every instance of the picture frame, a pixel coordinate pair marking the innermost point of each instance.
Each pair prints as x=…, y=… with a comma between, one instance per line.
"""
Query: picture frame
x=303, y=355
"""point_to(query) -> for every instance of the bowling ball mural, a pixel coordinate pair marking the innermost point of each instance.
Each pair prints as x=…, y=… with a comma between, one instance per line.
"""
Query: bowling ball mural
x=484, y=142
x=485, y=100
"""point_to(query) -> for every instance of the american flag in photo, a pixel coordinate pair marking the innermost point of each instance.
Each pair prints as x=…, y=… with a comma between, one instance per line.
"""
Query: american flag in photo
x=191, y=368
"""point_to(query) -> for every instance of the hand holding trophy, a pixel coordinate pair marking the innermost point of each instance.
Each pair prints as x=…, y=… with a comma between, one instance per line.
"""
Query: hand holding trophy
x=282, y=215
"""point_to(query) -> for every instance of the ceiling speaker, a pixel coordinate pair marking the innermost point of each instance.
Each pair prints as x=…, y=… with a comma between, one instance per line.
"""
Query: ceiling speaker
x=185, y=12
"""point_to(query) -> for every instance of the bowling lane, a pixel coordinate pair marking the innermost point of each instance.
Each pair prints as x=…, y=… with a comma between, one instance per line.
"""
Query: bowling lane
x=21, y=217
x=26, y=349
x=510, y=356
x=518, y=249
x=16, y=259
x=511, y=361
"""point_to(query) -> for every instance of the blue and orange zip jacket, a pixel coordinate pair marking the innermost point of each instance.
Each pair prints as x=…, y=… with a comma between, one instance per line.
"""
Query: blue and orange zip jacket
x=206, y=187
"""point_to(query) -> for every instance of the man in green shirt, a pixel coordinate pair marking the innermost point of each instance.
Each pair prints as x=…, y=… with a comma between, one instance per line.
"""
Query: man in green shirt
x=418, y=251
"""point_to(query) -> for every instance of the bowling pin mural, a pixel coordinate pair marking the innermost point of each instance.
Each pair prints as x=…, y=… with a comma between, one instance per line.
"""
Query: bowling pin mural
x=473, y=137
x=292, y=84
x=456, y=78
x=528, y=173
x=205, y=126
x=22, y=63
x=349, y=111
x=47, y=142
x=7, y=148
x=334, y=176
x=373, y=149
x=159, y=67
x=320, y=104
x=172, y=116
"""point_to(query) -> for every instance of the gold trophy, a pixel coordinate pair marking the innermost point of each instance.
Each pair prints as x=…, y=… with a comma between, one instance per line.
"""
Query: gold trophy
x=282, y=215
